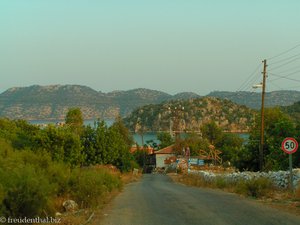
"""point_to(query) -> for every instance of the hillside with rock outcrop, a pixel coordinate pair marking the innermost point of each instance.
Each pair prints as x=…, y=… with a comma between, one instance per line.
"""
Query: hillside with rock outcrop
x=189, y=115
x=53, y=101
x=253, y=99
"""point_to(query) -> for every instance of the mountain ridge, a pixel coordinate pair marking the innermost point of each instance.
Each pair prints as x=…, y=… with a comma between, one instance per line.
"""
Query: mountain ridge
x=52, y=102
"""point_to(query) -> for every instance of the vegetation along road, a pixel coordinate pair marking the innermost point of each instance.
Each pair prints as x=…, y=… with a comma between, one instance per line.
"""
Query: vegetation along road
x=156, y=199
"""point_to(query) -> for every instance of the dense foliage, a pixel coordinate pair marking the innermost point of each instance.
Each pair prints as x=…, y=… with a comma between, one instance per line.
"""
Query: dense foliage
x=278, y=126
x=228, y=143
x=74, y=144
x=38, y=165
x=30, y=182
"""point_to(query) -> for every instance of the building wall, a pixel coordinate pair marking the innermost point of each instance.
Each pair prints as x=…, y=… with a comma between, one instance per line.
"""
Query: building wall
x=160, y=158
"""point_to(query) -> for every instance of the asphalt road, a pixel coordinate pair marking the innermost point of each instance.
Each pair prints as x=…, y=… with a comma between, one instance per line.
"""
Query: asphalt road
x=156, y=200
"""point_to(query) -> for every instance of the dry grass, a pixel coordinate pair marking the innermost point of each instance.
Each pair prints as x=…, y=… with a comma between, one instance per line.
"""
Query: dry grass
x=96, y=214
x=261, y=190
x=297, y=192
x=130, y=177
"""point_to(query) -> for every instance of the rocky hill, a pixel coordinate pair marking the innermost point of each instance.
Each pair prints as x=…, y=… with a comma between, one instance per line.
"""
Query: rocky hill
x=129, y=100
x=188, y=115
x=253, y=99
x=52, y=102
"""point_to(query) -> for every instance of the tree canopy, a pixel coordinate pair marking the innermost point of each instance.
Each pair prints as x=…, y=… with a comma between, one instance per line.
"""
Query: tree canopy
x=278, y=126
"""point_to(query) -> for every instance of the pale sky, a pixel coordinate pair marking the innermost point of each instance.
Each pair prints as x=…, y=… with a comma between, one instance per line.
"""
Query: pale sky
x=166, y=45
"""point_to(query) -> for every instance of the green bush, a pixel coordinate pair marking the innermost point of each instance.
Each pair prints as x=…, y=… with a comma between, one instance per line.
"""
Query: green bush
x=221, y=182
x=88, y=186
x=27, y=192
x=59, y=174
x=257, y=187
x=39, y=168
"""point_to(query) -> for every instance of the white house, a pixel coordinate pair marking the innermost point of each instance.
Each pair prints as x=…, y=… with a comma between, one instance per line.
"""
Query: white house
x=162, y=155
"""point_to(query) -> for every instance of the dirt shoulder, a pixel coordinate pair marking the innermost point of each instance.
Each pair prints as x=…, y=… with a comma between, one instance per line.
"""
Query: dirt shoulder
x=280, y=199
x=93, y=216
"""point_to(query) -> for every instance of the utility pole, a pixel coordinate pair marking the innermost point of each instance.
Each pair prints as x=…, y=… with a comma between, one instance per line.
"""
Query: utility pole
x=262, y=126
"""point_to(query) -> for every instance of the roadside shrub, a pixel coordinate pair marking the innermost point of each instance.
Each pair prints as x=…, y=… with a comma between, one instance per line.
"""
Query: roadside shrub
x=59, y=175
x=134, y=165
x=2, y=195
x=221, y=182
x=27, y=192
x=170, y=169
x=88, y=186
x=297, y=193
x=256, y=187
x=194, y=180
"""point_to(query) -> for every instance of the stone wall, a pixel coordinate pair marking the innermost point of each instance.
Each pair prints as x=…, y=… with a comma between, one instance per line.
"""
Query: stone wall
x=279, y=178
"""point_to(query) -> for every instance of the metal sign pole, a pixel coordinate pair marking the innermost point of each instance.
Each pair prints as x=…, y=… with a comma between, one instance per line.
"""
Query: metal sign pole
x=291, y=171
x=290, y=145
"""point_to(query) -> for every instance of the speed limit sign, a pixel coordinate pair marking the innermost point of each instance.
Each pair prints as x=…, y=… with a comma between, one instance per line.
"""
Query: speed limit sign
x=289, y=145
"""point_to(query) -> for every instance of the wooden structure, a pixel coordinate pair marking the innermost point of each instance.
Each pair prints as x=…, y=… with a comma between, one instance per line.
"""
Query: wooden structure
x=212, y=154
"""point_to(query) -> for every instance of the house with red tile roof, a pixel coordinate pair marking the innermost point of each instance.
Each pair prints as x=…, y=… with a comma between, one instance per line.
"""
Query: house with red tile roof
x=147, y=149
x=163, y=155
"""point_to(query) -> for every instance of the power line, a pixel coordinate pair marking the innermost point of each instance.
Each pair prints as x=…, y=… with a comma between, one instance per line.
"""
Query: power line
x=294, y=87
x=281, y=88
x=289, y=62
x=285, y=59
x=283, y=77
x=275, y=85
x=286, y=51
x=290, y=69
x=250, y=79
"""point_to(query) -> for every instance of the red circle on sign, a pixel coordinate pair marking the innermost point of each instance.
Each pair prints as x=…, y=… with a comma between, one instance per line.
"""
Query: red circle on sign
x=289, y=145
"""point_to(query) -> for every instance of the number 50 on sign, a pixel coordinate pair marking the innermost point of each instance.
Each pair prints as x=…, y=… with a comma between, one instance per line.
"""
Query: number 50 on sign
x=289, y=145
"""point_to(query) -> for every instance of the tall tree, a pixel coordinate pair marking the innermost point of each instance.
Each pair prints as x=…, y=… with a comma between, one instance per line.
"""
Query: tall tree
x=277, y=127
x=165, y=139
x=74, y=120
x=211, y=132
x=123, y=130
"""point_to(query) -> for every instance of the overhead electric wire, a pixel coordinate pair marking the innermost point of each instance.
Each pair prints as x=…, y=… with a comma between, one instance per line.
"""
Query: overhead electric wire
x=293, y=87
x=285, y=59
x=250, y=83
x=275, y=85
x=289, y=70
x=289, y=62
x=282, y=77
x=249, y=79
x=284, y=52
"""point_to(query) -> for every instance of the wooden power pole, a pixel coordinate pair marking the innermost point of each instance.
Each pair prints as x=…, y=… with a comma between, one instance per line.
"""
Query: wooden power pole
x=262, y=126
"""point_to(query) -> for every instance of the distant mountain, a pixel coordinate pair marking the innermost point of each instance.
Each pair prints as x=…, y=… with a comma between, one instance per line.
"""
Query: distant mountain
x=188, y=115
x=185, y=95
x=253, y=99
x=53, y=101
x=129, y=100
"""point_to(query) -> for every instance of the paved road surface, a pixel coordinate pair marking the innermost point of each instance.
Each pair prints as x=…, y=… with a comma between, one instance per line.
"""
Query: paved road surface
x=156, y=200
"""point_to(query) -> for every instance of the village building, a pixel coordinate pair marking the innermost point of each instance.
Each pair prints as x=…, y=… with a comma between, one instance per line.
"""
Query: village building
x=162, y=156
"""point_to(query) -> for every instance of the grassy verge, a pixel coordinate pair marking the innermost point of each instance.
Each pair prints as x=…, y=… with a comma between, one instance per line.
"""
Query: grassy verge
x=32, y=185
x=261, y=189
x=93, y=215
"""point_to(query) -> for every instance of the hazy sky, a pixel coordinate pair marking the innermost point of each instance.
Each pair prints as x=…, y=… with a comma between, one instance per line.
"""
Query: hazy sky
x=167, y=45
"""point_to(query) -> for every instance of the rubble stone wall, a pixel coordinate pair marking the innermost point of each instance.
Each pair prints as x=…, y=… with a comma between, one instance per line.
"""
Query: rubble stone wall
x=279, y=178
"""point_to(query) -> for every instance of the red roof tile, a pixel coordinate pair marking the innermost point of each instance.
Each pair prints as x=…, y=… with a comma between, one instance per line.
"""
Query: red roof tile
x=166, y=150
